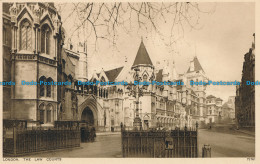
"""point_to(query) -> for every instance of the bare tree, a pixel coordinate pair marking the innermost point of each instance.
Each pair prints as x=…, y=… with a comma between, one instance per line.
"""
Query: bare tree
x=107, y=20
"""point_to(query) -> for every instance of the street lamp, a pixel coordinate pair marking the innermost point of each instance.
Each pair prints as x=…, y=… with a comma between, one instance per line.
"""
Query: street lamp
x=136, y=91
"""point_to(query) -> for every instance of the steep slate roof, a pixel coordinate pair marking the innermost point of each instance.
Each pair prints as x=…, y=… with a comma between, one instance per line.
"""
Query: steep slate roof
x=159, y=76
x=113, y=73
x=197, y=66
x=210, y=96
x=219, y=99
x=142, y=56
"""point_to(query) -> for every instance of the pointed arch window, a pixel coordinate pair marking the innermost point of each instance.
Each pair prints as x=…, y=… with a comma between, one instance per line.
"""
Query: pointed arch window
x=145, y=78
x=45, y=39
x=42, y=113
x=49, y=87
x=26, y=35
x=42, y=86
x=103, y=79
x=49, y=113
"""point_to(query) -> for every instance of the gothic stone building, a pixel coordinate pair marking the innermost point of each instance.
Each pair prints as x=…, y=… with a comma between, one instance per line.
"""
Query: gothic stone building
x=228, y=109
x=33, y=51
x=161, y=105
x=32, y=42
x=214, y=109
x=245, y=94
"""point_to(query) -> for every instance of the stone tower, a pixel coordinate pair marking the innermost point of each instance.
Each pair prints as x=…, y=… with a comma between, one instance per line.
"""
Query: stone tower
x=196, y=73
x=35, y=47
x=146, y=72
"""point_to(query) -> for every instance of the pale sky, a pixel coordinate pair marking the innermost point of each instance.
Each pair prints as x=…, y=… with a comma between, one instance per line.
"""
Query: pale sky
x=220, y=45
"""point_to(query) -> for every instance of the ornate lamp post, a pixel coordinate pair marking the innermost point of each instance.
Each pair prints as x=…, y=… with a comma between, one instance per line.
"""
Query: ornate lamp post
x=136, y=91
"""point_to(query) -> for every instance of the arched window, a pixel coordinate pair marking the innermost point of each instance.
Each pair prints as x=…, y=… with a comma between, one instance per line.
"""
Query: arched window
x=42, y=113
x=42, y=86
x=25, y=35
x=106, y=93
x=45, y=39
x=49, y=113
x=95, y=80
x=63, y=63
x=70, y=79
x=103, y=80
x=49, y=87
x=145, y=78
x=95, y=90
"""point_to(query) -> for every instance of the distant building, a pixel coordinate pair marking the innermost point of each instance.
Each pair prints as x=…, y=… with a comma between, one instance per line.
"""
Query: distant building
x=228, y=109
x=214, y=109
x=196, y=73
x=245, y=94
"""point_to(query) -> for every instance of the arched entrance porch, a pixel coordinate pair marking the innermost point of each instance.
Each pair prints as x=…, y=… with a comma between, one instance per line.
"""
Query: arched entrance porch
x=87, y=116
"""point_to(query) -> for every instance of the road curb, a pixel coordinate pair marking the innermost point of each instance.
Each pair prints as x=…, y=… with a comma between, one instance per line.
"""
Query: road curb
x=248, y=133
x=104, y=134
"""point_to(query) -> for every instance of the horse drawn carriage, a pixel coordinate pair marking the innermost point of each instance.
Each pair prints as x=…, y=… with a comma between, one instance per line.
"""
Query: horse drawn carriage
x=87, y=132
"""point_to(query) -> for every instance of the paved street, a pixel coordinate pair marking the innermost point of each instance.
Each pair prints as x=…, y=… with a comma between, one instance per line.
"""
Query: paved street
x=228, y=145
x=105, y=146
x=109, y=145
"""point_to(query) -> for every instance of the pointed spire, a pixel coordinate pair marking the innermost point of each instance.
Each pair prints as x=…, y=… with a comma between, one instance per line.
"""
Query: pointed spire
x=166, y=68
x=37, y=7
x=253, y=44
x=195, y=65
x=13, y=9
x=142, y=57
x=195, y=50
x=174, y=72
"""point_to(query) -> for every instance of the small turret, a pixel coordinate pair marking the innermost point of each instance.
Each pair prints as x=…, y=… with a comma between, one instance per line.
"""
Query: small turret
x=166, y=72
x=174, y=72
x=82, y=71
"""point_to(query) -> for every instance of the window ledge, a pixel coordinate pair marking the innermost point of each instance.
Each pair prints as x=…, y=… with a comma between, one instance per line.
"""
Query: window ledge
x=49, y=124
x=25, y=52
x=47, y=56
x=48, y=99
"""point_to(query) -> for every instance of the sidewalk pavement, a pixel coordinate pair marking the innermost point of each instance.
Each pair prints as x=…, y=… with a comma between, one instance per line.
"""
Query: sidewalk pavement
x=107, y=133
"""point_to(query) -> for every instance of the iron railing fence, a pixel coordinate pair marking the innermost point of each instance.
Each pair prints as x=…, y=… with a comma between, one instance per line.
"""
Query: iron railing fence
x=20, y=140
x=160, y=144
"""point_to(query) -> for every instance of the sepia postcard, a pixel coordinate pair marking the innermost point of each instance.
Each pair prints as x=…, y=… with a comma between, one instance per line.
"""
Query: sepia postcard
x=92, y=81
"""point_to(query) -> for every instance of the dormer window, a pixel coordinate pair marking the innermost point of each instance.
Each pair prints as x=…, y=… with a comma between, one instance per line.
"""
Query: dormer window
x=45, y=39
